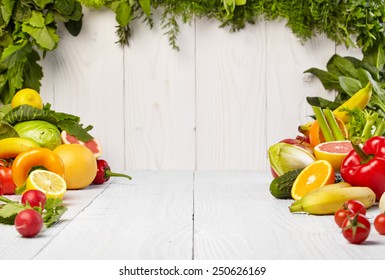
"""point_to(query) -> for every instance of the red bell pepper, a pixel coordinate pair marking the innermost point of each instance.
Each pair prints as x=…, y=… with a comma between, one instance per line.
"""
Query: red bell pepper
x=6, y=181
x=366, y=166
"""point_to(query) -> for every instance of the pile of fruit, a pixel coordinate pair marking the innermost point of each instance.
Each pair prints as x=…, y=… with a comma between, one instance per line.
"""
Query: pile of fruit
x=337, y=160
x=43, y=154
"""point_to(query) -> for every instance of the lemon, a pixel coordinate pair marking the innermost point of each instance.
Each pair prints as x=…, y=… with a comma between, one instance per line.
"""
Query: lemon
x=50, y=183
x=27, y=96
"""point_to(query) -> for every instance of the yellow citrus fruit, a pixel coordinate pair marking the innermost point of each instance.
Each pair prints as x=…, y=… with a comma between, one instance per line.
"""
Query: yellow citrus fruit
x=27, y=96
x=316, y=136
x=50, y=183
x=79, y=165
x=334, y=152
x=316, y=175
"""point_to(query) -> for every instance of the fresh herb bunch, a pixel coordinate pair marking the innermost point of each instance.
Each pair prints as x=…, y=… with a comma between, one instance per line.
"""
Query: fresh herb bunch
x=351, y=22
x=28, y=29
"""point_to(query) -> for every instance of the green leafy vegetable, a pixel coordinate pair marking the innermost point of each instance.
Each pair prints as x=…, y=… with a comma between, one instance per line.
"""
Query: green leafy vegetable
x=28, y=27
x=63, y=121
x=364, y=124
x=53, y=210
x=45, y=134
x=347, y=75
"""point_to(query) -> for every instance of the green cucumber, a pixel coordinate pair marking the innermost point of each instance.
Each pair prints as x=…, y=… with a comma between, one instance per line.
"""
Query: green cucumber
x=281, y=186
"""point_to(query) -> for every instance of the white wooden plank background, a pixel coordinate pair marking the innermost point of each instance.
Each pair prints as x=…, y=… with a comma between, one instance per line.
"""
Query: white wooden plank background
x=215, y=105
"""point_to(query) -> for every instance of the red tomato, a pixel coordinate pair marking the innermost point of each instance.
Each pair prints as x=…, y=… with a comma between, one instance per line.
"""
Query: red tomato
x=34, y=198
x=379, y=223
x=341, y=214
x=356, y=206
x=356, y=228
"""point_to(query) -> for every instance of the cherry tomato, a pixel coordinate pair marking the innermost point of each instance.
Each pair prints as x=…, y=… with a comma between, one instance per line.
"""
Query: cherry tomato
x=28, y=222
x=34, y=198
x=356, y=206
x=356, y=228
x=341, y=214
x=379, y=223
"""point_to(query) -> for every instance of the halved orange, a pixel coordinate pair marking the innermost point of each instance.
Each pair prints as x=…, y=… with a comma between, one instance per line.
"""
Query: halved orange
x=334, y=152
x=316, y=136
x=316, y=175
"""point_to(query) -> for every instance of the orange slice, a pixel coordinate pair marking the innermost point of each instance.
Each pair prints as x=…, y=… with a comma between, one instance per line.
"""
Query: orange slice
x=334, y=152
x=316, y=175
x=316, y=136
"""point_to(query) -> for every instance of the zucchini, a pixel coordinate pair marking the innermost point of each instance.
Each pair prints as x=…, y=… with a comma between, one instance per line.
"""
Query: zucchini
x=281, y=186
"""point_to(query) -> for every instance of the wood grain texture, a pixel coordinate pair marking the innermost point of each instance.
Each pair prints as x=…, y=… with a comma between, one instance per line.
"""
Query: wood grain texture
x=160, y=101
x=231, y=99
x=84, y=77
x=147, y=218
x=236, y=217
x=287, y=86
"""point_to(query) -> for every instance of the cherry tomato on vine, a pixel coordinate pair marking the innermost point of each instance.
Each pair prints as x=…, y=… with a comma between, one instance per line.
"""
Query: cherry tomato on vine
x=356, y=228
x=341, y=214
x=379, y=223
x=356, y=206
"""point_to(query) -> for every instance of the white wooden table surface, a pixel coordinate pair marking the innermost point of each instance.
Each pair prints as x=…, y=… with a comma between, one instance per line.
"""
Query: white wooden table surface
x=187, y=215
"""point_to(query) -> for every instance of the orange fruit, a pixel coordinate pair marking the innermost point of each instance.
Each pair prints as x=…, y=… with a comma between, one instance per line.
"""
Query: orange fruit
x=334, y=152
x=316, y=136
x=316, y=175
x=79, y=165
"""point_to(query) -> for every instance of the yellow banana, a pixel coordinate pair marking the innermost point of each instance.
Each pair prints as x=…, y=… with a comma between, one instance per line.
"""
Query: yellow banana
x=358, y=100
x=332, y=187
x=328, y=201
x=11, y=147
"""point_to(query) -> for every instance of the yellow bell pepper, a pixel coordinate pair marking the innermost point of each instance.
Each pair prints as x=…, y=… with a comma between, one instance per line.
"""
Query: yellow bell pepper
x=42, y=157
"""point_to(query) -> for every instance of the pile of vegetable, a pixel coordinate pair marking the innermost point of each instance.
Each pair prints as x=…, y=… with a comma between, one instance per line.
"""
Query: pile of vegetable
x=347, y=138
x=43, y=153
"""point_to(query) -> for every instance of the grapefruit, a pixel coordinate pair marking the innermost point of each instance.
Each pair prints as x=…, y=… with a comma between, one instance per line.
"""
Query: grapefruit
x=333, y=151
x=80, y=165
x=92, y=144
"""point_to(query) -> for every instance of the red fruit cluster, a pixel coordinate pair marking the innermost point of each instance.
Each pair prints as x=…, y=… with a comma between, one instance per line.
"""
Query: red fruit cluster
x=351, y=218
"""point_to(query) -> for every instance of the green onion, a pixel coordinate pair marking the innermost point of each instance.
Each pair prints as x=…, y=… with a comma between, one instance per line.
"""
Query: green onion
x=323, y=124
x=333, y=125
